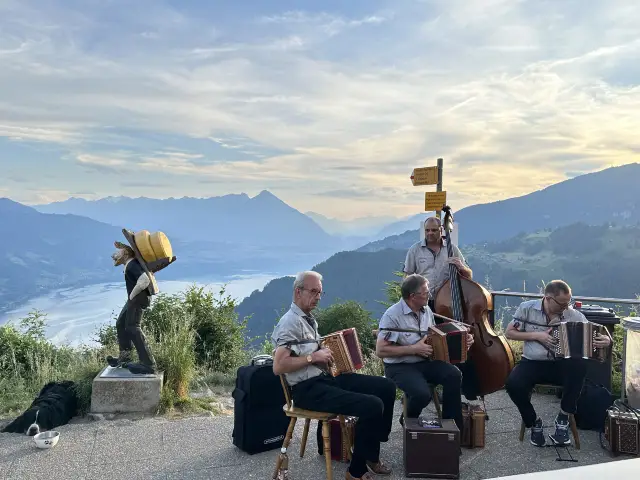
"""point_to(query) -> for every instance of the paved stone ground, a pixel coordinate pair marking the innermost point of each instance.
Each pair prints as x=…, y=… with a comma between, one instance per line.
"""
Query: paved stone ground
x=194, y=448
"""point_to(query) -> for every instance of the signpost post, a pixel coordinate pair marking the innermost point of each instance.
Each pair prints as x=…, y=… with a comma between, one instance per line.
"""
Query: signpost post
x=433, y=201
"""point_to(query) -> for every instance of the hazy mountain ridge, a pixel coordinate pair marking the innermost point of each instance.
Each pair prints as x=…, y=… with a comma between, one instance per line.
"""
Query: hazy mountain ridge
x=594, y=198
x=43, y=251
x=596, y=260
x=237, y=218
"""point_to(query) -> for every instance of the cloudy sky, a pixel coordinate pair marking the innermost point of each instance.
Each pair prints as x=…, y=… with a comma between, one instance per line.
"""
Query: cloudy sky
x=328, y=104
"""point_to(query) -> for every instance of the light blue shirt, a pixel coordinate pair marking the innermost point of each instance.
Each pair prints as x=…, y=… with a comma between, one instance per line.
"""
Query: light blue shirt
x=400, y=315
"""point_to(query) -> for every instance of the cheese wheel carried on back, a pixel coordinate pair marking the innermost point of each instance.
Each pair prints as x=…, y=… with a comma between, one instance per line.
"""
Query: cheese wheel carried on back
x=143, y=242
x=161, y=245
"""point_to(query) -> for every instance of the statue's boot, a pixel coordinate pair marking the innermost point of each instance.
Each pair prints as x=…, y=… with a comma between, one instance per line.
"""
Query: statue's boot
x=121, y=360
x=141, y=368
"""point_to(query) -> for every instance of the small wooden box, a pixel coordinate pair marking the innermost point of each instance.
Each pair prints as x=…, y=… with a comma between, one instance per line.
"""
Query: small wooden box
x=431, y=452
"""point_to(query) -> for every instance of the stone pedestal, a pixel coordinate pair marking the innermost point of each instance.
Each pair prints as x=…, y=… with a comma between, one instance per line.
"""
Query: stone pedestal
x=117, y=390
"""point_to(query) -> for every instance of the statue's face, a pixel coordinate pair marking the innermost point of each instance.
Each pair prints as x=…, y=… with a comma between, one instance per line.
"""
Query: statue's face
x=119, y=257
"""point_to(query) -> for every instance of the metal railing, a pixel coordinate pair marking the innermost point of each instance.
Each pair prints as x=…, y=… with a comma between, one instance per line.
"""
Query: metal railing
x=507, y=293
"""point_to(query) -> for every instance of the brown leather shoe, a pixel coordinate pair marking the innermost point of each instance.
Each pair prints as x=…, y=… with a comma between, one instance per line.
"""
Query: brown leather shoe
x=378, y=468
x=366, y=476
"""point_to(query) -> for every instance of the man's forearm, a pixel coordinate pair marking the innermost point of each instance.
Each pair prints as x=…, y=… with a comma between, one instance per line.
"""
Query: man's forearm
x=521, y=336
x=291, y=364
x=385, y=351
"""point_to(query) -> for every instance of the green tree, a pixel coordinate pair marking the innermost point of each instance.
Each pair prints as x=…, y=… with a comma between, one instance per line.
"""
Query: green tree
x=347, y=315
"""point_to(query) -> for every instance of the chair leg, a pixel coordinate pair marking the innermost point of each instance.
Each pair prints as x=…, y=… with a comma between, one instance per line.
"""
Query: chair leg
x=327, y=448
x=522, y=428
x=305, y=434
x=436, y=401
x=574, y=430
x=285, y=445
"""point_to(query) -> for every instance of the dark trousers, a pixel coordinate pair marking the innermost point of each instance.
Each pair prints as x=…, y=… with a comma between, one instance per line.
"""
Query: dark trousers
x=129, y=332
x=566, y=372
x=414, y=379
x=367, y=397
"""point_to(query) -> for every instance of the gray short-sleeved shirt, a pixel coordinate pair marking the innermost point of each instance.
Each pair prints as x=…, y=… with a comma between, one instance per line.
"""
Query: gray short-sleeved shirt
x=433, y=266
x=531, y=311
x=399, y=315
x=295, y=325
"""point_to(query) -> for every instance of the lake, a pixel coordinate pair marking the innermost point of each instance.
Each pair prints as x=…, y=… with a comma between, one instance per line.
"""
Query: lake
x=74, y=314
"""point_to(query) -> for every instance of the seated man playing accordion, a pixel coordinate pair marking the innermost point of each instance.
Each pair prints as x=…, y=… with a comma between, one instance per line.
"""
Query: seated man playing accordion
x=406, y=355
x=305, y=366
x=532, y=323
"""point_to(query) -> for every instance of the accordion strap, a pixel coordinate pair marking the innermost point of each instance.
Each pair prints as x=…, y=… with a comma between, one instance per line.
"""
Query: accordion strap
x=405, y=330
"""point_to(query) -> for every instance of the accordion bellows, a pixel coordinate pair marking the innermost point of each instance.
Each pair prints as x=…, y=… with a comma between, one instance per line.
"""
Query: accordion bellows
x=449, y=342
x=346, y=351
x=575, y=340
x=153, y=246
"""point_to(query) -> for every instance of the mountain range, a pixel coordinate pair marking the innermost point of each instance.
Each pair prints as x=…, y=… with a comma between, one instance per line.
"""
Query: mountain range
x=231, y=234
x=596, y=260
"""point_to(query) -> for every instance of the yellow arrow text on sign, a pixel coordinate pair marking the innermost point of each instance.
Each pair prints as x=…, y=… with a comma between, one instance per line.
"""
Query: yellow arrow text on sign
x=434, y=201
x=424, y=176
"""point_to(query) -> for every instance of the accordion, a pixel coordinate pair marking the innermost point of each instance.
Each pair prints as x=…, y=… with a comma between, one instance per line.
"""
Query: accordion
x=449, y=342
x=346, y=351
x=575, y=340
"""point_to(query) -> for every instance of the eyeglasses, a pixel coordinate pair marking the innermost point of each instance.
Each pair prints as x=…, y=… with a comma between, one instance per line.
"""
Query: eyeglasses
x=563, y=305
x=314, y=292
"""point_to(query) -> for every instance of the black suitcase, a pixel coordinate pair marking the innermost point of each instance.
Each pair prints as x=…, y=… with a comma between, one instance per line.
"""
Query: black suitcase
x=600, y=372
x=259, y=423
x=431, y=452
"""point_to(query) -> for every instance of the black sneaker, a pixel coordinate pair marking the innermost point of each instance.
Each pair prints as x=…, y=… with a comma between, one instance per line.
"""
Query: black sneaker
x=537, y=434
x=561, y=436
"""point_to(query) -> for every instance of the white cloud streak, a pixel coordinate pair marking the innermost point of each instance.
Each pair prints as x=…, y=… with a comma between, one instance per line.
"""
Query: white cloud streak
x=526, y=90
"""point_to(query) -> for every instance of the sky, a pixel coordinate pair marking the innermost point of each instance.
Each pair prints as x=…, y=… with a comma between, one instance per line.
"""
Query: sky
x=329, y=105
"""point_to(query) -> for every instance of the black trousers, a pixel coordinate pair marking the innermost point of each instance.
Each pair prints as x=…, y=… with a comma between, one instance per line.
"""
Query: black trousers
x=370, y=398
x=414, y=379
x=566, y=372
x=129, y=332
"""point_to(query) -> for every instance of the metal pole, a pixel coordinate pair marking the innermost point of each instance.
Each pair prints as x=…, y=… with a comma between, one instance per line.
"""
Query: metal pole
x=439, y=186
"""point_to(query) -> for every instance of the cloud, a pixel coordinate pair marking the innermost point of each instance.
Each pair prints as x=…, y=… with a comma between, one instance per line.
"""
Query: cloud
x=335, y=104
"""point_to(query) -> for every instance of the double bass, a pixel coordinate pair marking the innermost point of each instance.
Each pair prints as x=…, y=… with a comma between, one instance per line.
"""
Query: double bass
x=491, y=357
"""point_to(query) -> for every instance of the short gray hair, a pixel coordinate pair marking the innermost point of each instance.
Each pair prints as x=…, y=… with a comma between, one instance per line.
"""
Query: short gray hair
x=301, y=276
x=411, y=284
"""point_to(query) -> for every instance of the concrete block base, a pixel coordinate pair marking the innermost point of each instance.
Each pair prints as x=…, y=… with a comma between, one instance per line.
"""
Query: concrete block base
x=117, y=390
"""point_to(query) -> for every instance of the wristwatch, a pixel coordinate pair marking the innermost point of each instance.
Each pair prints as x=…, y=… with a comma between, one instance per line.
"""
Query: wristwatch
x=309, y=359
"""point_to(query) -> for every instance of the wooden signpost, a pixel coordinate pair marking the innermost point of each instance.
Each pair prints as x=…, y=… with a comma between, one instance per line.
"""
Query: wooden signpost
x=433, y=201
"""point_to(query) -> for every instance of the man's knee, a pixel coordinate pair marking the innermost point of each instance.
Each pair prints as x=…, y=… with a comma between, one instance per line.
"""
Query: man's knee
x=453, y=377
x=372, y=406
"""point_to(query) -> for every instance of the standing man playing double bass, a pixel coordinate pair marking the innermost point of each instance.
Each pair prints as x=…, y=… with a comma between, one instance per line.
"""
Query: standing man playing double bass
x=430, y=259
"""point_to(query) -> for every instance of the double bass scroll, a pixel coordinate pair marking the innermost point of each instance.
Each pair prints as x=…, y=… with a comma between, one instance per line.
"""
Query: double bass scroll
x=470, y=303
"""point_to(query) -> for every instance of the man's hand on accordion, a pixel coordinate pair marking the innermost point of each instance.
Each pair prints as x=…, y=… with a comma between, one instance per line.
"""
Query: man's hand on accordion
x=322, y=356
x=601, y=341
x=469, y=341
x=422, y=348
x=546, y=338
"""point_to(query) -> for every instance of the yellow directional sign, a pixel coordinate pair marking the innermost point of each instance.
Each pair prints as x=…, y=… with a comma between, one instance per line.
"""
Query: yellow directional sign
x=424, y=176
x=434, y=201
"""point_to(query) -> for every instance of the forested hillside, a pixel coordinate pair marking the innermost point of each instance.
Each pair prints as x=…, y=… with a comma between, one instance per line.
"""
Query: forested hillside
x=596, y=260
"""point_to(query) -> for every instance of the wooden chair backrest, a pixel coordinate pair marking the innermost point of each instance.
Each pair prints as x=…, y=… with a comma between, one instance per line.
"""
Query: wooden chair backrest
x=287, y=390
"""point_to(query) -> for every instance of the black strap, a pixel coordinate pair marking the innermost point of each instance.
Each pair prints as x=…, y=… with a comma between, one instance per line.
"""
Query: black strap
x=404, y=330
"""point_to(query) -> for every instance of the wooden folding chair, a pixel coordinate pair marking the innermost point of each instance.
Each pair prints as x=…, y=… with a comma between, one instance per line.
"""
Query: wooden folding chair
x=323, y=417
x=572, y=420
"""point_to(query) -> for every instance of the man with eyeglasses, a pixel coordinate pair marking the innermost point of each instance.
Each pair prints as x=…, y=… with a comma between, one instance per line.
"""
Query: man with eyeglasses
x=305, y=367
x=532, y=324
x=405, y=355
x=430, y=258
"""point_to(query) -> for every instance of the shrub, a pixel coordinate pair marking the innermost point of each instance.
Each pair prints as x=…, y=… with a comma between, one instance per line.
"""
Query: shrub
x=347, y=315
